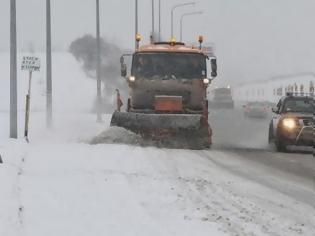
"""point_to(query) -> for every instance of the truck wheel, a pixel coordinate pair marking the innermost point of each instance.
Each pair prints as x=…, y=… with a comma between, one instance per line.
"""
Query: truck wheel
x=128, y=105
x=202, y=139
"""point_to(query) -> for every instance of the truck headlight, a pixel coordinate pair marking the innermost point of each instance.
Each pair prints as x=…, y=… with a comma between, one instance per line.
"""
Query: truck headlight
x=289, y=123
x=132, y=79
x=206, y=81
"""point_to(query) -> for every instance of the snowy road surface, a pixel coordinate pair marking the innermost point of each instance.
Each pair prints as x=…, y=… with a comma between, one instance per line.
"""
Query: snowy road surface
x=61, y=185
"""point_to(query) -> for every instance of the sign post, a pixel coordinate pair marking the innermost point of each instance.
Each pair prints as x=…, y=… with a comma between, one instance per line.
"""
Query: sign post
x=29, y=64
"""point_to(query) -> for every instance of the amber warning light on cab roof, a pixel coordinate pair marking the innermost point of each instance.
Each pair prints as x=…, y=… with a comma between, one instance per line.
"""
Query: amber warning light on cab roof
x=138, y=39
x=200, y=40
x=172, y=41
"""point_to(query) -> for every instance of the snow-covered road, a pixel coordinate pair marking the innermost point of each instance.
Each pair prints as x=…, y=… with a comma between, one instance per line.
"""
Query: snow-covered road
x=61, y=185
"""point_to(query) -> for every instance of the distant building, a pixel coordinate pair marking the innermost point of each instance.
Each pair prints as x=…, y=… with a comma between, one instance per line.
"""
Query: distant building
x=275, y=87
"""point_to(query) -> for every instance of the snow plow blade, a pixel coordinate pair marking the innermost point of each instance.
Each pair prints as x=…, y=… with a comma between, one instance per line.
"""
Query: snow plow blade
x=167, y=130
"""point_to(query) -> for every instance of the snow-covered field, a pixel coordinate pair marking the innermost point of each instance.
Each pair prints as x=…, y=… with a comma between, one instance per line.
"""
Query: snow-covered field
x=60, y=185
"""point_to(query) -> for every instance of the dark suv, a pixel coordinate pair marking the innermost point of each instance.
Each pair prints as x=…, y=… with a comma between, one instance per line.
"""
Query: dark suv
x=293, y=123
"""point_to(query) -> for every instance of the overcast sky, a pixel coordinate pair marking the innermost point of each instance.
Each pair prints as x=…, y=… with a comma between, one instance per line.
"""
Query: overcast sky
x=254, y=39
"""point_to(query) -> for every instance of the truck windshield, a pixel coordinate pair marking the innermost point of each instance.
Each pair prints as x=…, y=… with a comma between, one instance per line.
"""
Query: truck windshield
x=300, y=105
x=169, y=65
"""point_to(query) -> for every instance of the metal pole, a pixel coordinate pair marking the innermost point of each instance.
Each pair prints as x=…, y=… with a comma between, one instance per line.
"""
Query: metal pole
x=13, y=71
x=49, y=67
x=172, y=21
x=181, y=28
x=172, y=14
x=181, y=21
x=136, y=23
x=98, y=66
x=159, y=20
x=153, y=21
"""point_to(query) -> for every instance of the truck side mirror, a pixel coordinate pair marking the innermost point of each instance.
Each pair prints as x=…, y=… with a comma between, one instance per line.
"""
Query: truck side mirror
x=123, y=67
x=123, y=70
x=214, y=67
x=274, y=110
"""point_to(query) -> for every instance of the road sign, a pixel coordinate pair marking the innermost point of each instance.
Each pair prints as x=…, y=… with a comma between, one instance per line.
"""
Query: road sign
x=30, y=63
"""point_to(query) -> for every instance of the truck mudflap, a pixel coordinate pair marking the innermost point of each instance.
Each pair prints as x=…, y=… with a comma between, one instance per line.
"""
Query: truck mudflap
x=167, y=130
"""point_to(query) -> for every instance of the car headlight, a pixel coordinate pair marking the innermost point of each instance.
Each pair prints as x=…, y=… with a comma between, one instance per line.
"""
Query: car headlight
x=289, y=123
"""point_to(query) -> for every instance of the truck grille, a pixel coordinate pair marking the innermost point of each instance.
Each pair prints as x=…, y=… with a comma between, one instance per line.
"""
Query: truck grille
x=308, y=122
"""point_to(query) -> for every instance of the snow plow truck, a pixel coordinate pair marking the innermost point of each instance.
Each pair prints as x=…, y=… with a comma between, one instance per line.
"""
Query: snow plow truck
x=167, y=100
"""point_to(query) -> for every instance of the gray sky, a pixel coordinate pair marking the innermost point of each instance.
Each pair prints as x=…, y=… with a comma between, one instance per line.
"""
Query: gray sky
x=254, y=39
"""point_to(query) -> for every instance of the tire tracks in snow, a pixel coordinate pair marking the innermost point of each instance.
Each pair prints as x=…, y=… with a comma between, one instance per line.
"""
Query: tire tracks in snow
x=197, y=199
x=205, y=199
x=261, y=217
x=222, y=206
x=301, y=194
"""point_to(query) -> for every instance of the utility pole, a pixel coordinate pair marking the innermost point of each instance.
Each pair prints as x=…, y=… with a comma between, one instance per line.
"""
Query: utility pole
x=153, y=22
x=160, y=20
x=13, y=72
x=136, y=23
x=98, y=66
x=48, y=67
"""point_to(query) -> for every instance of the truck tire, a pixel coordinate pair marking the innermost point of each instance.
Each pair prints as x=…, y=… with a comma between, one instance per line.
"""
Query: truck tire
x=128, y=105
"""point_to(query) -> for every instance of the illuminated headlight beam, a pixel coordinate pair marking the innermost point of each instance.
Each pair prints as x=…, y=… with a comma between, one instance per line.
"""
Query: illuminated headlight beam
x=289, y=123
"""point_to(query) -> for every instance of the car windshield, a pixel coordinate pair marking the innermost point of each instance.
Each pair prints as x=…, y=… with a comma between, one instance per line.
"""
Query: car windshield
x=169, y=65
x=300, y=105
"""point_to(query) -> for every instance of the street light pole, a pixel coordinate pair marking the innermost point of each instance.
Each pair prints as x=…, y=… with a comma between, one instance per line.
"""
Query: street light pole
x=98, y=64
x=181, y=21
x=136, y=23
x=160, y=20
x=13, y=71
x=153, y=22
x=172, y=14
x=48, y=66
